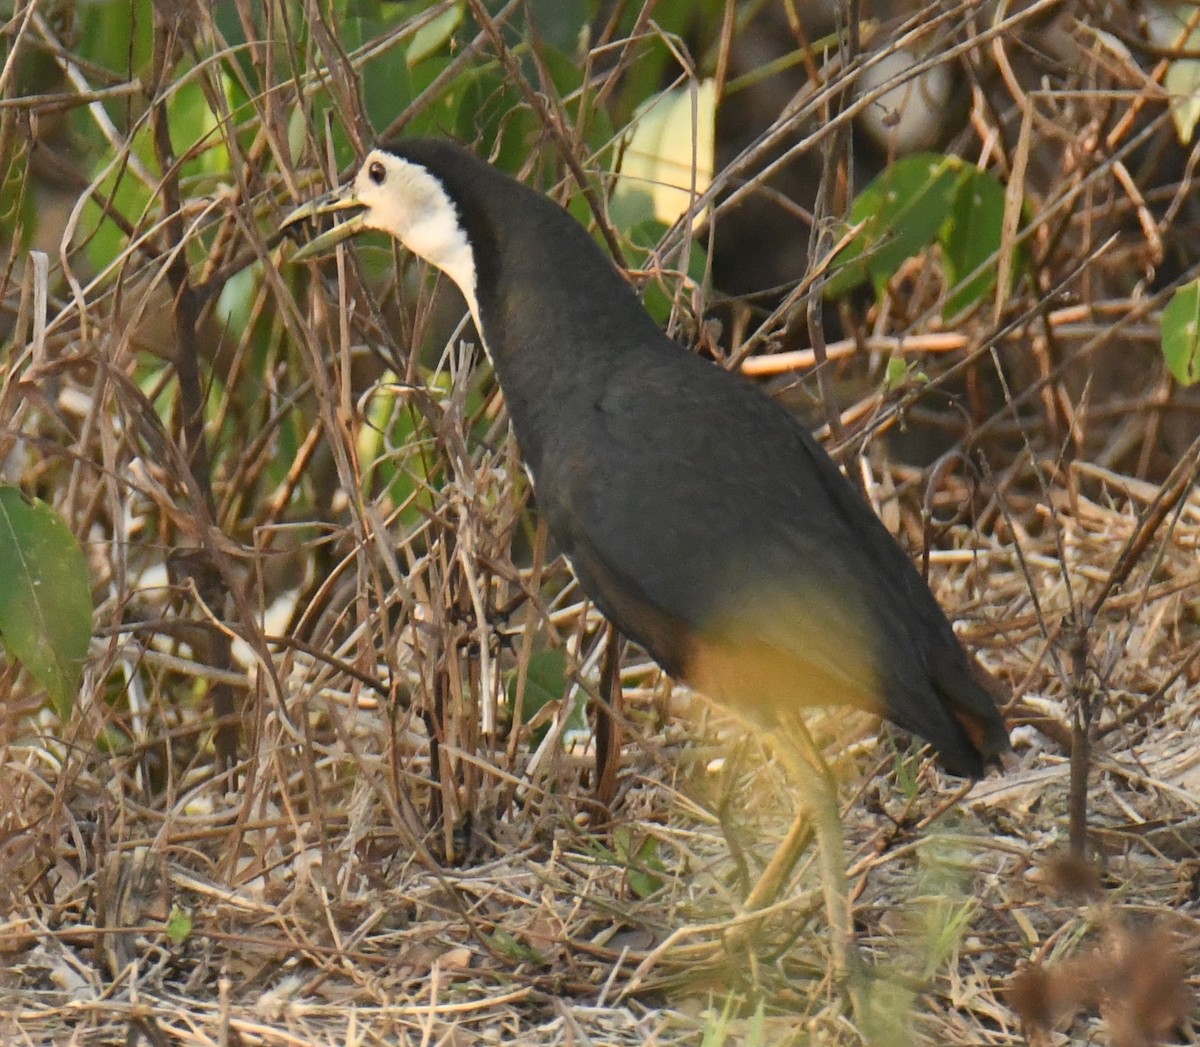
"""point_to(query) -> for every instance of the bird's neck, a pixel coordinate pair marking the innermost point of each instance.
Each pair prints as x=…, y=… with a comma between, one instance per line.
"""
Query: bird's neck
x=554, y=314
x=556, y=329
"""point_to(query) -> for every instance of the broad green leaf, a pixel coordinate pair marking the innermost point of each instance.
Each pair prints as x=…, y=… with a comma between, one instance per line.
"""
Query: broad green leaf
x=117, y=34
x=441, y=113
x=901, y=212
x=971, y=237
x=193, y=124
x=566, y=73
x=233, y=33
x=643, y=238
x=920, y=200
x=667, y=155
x=45, y=600
x=545, y=681
x=388, y=448
x=434, y=35
x=130, y=197
x=384, y=79
x=235, y=303
x=1182, y=83
x=1181, y=334
x=362, y=9
x=563, y=23
x=656, y=60
x=484, y=103
x=1168, y=27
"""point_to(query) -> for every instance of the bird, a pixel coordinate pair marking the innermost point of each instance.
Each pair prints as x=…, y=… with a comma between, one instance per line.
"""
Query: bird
x=697, y=513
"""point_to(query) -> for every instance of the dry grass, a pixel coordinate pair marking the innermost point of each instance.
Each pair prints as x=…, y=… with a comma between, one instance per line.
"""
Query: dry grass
x=340, y=585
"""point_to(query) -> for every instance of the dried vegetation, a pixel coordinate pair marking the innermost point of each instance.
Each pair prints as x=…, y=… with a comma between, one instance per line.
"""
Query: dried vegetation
x=305, y=532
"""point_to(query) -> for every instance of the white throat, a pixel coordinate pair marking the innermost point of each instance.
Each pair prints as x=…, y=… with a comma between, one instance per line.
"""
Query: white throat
x=412, y=206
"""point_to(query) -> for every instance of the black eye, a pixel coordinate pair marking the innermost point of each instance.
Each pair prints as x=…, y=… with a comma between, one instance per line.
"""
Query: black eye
x=377, y=172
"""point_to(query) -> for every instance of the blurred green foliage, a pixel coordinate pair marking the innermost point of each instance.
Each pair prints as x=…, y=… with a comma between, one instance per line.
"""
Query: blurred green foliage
x=45, y=599
x=1181, y=334
x=258, y=100
x=918, y=201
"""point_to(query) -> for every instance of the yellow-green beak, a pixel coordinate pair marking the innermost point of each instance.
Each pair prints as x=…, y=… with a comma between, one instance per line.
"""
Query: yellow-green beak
x=343, y=199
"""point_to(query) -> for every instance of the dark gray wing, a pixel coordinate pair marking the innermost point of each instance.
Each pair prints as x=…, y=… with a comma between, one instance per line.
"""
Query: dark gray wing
x=755, y=568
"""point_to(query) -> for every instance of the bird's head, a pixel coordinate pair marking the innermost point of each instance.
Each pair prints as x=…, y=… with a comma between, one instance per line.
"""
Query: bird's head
x=405, y=199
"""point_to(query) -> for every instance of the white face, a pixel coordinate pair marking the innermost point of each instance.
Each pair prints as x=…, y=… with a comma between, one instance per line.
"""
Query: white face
x=404, y=200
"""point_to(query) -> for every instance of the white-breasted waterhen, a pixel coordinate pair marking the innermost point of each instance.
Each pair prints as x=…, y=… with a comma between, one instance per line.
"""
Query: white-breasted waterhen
x=702, y=519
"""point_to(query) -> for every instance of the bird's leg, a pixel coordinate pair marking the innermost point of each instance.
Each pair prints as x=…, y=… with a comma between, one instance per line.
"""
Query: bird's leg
x=783, y=861
x=819, y=816
x=799, y=753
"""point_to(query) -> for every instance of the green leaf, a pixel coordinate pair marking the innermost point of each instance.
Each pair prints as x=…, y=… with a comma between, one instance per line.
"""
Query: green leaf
x=1182, y=83
x=179, y=925
x=235, y=303
x=481, y=104
x=45, y=601
x=545, y=682
x=895, y=374
x=566, y=73
x=18, y=202
x=385, y=81
x=971, y=237
x=901, y=212
x=666, y=153
x=117, y=34
x=642, y=864
x=717, y=1031
x=562, y=23
x=656, y=60
x=923, y=199
x=1180, y=337
x=905, y=764
x=194, y=124
x=389, y=449
x=516, y=950
x=1169, y=26
x=129, y=197
x=434, y=35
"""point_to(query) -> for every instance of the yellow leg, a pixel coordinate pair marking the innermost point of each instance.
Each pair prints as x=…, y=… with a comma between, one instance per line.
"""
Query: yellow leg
x=819, y=817
x=799, y=753
x=770, y=885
